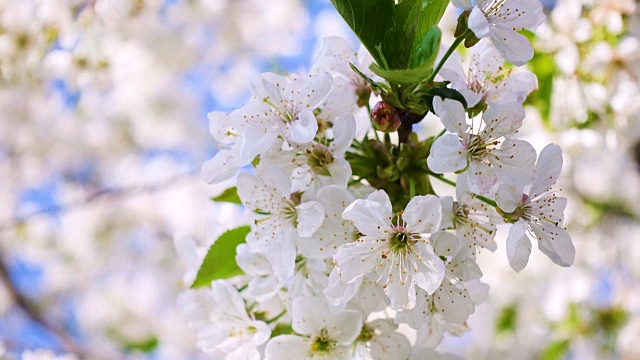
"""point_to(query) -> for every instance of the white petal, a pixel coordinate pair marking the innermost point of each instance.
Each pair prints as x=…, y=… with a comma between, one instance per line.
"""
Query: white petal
x=268, y=85
x=303, y=129
x=548, y=169
x=344, y=131
x=447, y=155
x=252, y=261
x=430, y=334
x=310, y=217
x=462, y=4
x=340, y=171
x=517, y=88
x=478, y=23
x=223, y=128
x=515, y=47
x=381, y=197
x=430, y=269
x=518, y=246
x=444, y=243
x=370, y=217
x=339, y=292
x=228, y=299
x=502, y=120
x=514, y=162
x=401, y=294
x=452, y=115
x=482, y=178
x=356, y=259
x=345, y=326
x=423, y=214
x=453, y=302
x=509, y=197
x=315, y=90
x=446, y=203
x=529, y=15
x=287, y=347
x=255, y=140
x=263, y=288
x=557, y=246
x=223, y=166
x=309, y=315
x=390, y=346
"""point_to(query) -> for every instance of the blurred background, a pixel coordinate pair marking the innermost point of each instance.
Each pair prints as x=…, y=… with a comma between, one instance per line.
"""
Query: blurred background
x=103, y=129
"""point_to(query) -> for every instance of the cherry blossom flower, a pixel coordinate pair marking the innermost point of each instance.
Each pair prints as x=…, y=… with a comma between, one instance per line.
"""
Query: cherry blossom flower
x=334, y=230
x=500, y=20
x=486, y=81
x=227, y=331
x=474, y=148
x=393, y=247
x=379, y=340
x=281, y=106
x=474, y=220
x=537, y=214
x=282, y=218
x=326, y=333
x=320, y=162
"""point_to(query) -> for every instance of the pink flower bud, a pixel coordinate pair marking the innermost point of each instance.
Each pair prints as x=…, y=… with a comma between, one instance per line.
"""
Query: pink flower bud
x=385, y=117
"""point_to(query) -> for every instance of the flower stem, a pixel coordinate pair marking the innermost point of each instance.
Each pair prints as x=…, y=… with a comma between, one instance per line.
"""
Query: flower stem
x=276, y=317
x=371, y=120
x=450, y=51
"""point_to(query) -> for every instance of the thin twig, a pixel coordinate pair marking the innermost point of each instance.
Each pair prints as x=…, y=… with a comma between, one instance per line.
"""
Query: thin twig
x=68, y=344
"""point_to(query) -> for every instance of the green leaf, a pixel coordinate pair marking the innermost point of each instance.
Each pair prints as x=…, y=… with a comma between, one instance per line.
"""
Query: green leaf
x=556, y=350
x=220, y=261
x=412, y=20
x=281, y=329
x=445, y=93
x=369, y=20
x=230, y=195
x=145, y=346
x=406, y=76
x=426, y=51
x=507, y=319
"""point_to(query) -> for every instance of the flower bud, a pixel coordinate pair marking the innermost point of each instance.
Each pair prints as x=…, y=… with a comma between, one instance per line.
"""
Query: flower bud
x=385, y=117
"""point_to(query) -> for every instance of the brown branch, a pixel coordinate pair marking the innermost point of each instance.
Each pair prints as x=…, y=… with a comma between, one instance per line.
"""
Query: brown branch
x=68, y=344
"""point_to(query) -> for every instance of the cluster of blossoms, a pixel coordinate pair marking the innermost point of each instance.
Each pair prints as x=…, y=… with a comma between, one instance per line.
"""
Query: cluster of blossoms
x=100, y=118
x=348, y=239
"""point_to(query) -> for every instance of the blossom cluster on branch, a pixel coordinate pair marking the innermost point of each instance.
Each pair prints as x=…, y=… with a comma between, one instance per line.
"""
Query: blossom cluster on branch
x=349, y=239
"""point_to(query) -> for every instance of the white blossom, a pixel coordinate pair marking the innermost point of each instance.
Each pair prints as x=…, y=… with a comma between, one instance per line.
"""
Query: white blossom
x=539, y=214
x=326, y=333
x=393, y=247
x=475, y=148
x=227, y=331
x=500, y=21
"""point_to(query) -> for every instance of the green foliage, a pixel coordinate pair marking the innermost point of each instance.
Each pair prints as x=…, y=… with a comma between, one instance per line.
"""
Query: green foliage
x=544, y=66
x=369, y=20
x=230, y=195
x=507, y=319
x=422, y=58
x=146, y=346
x=412, y=21
x=282, y=329
x=425, y=51
x=400, y=170
x=399, y=37
x=220, y=262
x=556, y=350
